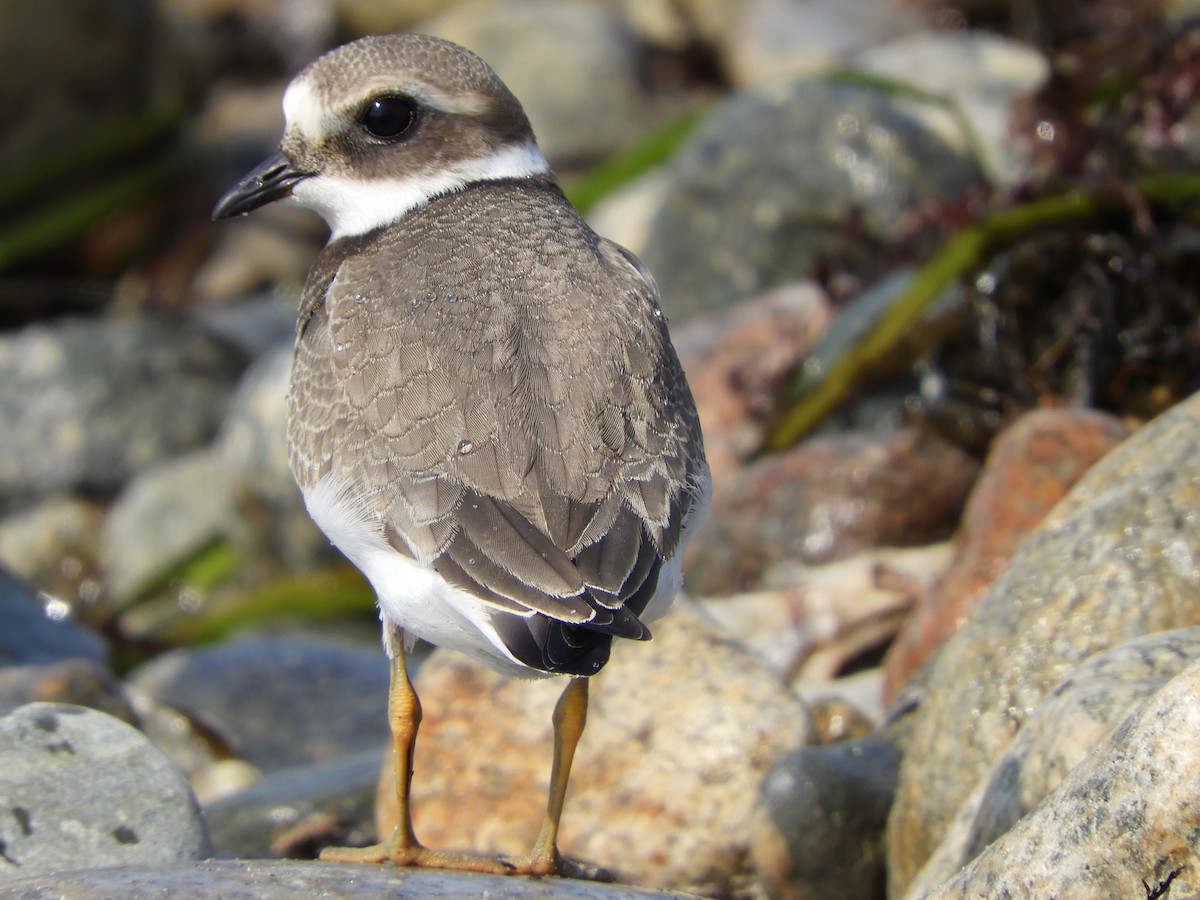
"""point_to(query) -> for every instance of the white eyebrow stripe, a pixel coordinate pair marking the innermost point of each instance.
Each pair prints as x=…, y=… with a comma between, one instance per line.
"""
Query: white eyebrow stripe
x=303, y=111
x=353, y=206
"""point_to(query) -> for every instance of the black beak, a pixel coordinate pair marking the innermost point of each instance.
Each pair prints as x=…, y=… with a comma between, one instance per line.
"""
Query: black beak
x=270, y=180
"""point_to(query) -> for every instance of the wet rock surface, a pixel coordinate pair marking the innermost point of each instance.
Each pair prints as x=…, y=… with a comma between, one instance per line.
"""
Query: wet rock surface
x=820, y=804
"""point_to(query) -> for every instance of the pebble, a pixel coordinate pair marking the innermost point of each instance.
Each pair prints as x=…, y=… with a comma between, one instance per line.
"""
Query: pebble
x=1124, y=823
x=1115, y=559
x=829, y=498
x=331, y=694
x=821, y=804
x=761, y=191
x=35, y=633
x=80, y=788
x=1030, y=466
x=89, y=403
x=1059, y=736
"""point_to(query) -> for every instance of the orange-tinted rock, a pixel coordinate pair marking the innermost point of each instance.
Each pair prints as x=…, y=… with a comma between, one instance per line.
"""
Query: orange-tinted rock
x=1032, y=465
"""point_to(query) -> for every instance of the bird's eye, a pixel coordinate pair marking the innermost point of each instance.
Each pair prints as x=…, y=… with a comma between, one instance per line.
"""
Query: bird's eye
x=388, y=117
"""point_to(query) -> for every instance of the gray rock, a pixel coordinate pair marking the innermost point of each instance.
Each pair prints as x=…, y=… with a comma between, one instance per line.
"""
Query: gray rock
x=86, y=403
x=1115, y=559
x=984, y=74
x=1124, y=823
x=782, y=38
x=80, y=682
x=277, y=701
x=55, y=540
x=272, y=817
x=262, y=880
x=31, y=634
x=79, y=786
x=819, y=804
x=578, y=80
x=167, y=514
x=1063, y=730
x=764, y=188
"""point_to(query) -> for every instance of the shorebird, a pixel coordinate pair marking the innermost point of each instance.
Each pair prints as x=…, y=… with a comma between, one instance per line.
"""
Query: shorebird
x=486, y=414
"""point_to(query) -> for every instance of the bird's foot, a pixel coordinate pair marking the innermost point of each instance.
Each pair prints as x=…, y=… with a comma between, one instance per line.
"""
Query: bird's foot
x=562, y=866
x=417, y=856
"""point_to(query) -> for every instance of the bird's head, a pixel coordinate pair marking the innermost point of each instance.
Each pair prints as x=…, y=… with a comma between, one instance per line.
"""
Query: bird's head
x=379, y=126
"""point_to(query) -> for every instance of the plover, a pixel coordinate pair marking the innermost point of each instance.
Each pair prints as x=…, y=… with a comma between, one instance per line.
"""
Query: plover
x=486, y=415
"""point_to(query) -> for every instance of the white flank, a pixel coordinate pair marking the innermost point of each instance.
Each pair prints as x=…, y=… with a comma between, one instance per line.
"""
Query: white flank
x=352, y=207
x=412, y=596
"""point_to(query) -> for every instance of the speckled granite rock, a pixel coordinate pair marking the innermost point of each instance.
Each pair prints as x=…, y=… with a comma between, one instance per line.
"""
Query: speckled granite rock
x=1115, y=559
x=762, y=190
x=1030, y=466
x=1063, y=730
x=680, y=731
x=78, y=787
x=1123, y=823
x=282, y=880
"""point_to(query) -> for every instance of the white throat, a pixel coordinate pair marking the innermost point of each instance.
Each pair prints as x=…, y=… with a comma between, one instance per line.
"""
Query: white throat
x=352, y=207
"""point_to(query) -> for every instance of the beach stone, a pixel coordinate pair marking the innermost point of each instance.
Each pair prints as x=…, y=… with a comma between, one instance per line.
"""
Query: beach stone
x=829, y=498
x=35, y=633
x=1063, y=730
x=79, y=682
x=167, y=514
x=53, y=543
x=305, y=807
x=1031, y=465
x=579, y=81
x=776, y=39
x=764, y=187
x=680, y=732
x=78, y=786
x=277, y=701
x=1115, y=559
x=983, y=73
x=286, y=880
x=89, y=403
x=1124, y=823
x=269, y=521
x=826, y=803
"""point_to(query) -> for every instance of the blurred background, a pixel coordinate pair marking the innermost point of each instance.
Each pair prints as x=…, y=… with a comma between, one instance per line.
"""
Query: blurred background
x=884, y=232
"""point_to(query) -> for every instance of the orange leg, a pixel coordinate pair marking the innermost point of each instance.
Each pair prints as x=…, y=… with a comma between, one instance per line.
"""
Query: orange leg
x=403, y=848
x=570, y=716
